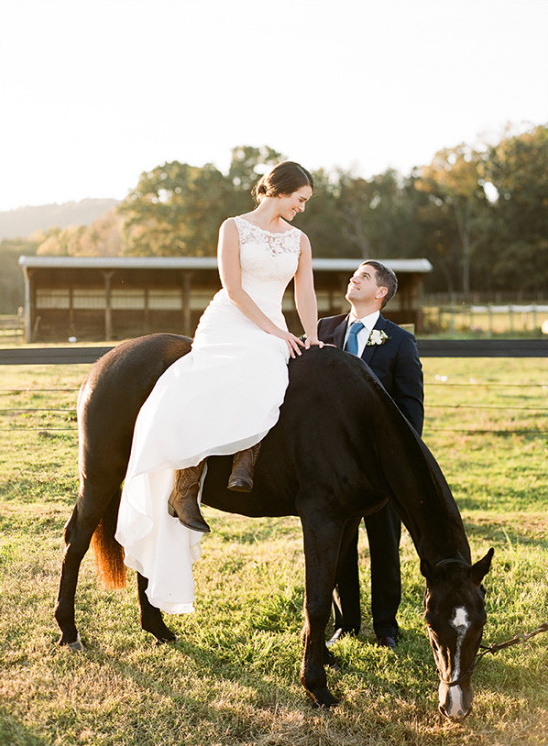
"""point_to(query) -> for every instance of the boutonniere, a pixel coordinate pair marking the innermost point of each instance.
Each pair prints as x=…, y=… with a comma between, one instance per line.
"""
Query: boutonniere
x=377, y=337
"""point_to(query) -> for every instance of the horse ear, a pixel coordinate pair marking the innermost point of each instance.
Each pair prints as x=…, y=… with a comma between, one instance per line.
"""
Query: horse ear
x=481, y=567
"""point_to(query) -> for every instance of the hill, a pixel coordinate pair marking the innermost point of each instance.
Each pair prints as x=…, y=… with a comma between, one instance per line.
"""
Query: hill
x=23, y=221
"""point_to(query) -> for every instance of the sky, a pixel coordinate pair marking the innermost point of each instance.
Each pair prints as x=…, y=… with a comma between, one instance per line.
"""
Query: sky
x=95, y=92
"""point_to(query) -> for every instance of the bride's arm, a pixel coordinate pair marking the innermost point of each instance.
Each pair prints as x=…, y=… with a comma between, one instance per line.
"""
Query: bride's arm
x=305, y=297
x=228, y=254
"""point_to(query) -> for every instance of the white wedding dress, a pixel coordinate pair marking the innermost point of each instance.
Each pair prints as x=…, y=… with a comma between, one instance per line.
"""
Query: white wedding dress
x=223, y=397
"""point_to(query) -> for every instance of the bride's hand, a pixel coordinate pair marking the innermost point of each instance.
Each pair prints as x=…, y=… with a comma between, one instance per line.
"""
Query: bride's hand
x=293, y=342
x=312, y=341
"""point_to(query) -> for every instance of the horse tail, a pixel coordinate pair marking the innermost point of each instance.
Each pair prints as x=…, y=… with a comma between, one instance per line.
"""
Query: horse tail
x=109, y=554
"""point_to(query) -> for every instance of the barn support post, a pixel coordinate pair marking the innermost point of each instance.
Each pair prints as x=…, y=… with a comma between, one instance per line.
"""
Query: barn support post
x=342, y=281
x=146, y=311
x=412, y=300
x=107, y=276
x=419, y=301
x=187, y=311
x=29, y=305
x=72, y=327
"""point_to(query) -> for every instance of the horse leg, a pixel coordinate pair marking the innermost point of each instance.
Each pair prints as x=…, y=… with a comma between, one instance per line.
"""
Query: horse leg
x=349, y=531
x=322, y=541
x=88, y=511
x=151, y=617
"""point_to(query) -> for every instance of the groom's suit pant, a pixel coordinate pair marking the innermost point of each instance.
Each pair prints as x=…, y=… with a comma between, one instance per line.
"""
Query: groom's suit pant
x=383, y=534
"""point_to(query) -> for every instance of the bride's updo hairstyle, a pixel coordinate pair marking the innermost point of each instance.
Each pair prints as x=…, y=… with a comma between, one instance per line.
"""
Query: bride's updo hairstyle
x=285, y=178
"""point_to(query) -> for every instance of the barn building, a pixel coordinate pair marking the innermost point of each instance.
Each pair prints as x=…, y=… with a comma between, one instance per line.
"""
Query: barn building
x=114, y=298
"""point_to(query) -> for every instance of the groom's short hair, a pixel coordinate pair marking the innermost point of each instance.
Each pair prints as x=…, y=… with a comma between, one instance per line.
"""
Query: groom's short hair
x=385, y=278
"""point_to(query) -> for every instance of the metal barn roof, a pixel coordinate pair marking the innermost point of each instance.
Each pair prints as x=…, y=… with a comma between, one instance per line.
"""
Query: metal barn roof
x=205, y=262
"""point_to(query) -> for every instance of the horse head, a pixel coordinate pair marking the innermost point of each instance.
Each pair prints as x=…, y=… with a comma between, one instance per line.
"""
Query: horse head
x=455, y=616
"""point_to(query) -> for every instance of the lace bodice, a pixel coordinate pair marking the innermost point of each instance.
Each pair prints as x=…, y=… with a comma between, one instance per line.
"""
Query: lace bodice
x=268, y=260
x=277, y=243
x=268, y=263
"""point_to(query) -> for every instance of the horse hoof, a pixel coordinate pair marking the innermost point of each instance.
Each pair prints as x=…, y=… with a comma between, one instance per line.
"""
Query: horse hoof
x=330, y=660
x=76, y=646
x=322, y=699
x=164, y=640
x=162, y=636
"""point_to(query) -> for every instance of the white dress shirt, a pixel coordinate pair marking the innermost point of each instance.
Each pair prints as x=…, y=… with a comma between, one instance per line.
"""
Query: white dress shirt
x=368, y=322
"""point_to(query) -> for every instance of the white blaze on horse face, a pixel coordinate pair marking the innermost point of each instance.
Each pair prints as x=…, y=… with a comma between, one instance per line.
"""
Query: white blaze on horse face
x=460, y=619
x=461, y=624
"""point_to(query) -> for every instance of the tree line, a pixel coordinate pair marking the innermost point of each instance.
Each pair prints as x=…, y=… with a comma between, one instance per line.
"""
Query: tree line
x=479, y=214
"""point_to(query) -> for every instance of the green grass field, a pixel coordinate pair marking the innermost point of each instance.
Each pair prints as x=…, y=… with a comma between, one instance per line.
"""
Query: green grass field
x=485, y=321
x=232, y=676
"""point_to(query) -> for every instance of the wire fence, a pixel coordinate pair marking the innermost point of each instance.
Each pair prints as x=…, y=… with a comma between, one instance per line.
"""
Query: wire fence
x=12, y=415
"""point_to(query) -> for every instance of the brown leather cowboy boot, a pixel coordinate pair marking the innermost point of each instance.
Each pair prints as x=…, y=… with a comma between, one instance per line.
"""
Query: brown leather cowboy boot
x=183, y=501
x=243, y=465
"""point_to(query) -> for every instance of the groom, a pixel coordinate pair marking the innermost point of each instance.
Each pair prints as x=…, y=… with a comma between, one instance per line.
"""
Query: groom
x=391, y=353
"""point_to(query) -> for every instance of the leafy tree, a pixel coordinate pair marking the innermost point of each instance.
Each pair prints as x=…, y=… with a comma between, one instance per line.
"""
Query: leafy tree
x=248, y=165
x=12, y=293
x=160, y=214
x=176, y=209
x=61, y=241
x=356, y=203
x=103, y=237
x=440, y=244
x=455, y=185
x=378, y=215
x=516, y=168
x=321, y=220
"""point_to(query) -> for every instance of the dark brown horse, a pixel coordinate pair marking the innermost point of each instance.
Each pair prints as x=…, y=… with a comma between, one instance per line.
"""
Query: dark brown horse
x=340, y=450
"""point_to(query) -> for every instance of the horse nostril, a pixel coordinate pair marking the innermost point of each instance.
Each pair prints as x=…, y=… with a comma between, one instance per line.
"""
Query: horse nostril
x=458, y=718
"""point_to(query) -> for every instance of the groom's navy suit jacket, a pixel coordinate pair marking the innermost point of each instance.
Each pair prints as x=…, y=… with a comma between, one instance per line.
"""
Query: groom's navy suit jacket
x=395, y=363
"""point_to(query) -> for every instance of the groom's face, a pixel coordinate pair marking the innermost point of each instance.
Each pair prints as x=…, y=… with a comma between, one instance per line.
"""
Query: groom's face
x=362, y=286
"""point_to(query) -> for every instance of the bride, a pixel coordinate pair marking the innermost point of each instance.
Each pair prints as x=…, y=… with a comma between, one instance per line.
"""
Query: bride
x=225, y=395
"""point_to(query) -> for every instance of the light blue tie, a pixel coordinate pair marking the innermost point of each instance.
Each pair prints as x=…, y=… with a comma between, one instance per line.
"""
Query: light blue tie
x=352, y=341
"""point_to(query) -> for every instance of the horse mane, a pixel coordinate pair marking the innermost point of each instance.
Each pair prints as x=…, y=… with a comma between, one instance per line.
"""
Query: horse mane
x=373, y=408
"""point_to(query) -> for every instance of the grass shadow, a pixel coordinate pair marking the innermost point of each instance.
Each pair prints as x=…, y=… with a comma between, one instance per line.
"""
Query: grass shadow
x=14, y=733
